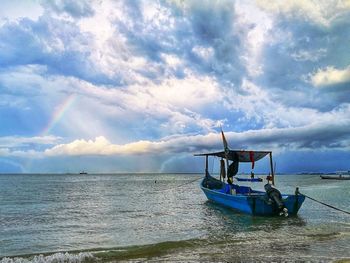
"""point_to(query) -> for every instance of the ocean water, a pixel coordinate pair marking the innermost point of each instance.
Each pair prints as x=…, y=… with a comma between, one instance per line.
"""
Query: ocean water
x=162, y=217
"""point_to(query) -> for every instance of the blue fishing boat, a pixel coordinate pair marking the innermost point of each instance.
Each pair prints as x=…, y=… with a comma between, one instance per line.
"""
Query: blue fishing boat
x=243, y=198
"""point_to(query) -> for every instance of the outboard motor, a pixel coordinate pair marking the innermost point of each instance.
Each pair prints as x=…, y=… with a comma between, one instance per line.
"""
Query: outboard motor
x=276, y=197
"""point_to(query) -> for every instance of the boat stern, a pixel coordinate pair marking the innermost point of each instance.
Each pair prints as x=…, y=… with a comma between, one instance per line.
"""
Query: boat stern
x=293, y=203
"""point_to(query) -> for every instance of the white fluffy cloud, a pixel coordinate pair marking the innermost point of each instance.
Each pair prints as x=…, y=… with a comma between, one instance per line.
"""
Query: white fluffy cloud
x=330, y=76
x=101, y=146
x=175, y=104
x=322, y=12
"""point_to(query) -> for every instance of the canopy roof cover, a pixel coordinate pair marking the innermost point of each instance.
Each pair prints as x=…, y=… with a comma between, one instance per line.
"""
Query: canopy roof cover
x=241, y=155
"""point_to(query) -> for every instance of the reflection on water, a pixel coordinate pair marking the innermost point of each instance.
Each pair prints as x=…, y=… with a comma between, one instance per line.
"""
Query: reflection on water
x=243, y=222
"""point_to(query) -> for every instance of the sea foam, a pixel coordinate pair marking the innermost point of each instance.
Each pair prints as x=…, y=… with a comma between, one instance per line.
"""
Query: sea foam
x=54, y=258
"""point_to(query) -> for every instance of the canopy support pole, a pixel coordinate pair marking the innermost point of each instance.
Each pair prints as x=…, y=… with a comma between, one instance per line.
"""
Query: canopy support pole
x=272, y=171
x=206, y=165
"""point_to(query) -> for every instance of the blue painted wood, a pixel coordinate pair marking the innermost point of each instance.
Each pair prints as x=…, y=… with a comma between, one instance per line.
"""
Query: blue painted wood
x=246, y=200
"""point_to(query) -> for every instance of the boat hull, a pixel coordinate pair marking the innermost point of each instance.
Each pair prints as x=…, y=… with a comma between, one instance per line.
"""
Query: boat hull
x=253, y=203
x=335, y=177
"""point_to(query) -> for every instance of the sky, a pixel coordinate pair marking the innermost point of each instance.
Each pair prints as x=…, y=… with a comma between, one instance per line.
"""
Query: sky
x=140, y=86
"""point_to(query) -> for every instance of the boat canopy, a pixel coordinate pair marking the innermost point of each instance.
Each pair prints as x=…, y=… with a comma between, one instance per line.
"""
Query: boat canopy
x=242, y=155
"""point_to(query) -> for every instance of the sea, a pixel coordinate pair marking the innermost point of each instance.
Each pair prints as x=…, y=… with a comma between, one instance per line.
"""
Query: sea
x=163, y=218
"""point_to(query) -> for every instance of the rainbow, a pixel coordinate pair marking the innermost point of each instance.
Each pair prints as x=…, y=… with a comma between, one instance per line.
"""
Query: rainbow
x=59, y=112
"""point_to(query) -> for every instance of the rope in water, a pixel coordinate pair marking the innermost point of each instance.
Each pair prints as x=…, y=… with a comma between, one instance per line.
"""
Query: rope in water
x=178, y=186
x=330, y=206
x=190, y=182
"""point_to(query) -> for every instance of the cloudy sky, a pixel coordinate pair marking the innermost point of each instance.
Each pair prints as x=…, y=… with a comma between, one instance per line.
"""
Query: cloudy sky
x=139, y=86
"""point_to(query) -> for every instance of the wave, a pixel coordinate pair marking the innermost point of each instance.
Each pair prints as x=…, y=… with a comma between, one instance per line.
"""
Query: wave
x=54, y=258
x=146, y=252
x=139, y=252
x=198, y=249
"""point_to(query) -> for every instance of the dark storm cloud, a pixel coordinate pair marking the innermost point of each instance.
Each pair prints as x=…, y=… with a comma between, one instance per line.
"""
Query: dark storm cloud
x=314, y=136
x=60, y=46
x=323, y=136
x=297, y=49
x=202, y=24
x=19, y=45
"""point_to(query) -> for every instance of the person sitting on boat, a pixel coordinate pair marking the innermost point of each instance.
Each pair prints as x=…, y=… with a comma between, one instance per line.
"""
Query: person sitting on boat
x=269, y=178
x=232, y=171
x=252, y=175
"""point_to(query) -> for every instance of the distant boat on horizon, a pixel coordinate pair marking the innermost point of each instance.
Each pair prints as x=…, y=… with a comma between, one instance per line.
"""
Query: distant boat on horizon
x=83, y=172
x=340, y=175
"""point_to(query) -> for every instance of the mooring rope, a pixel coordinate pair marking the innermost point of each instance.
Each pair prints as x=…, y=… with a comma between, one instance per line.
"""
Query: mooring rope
x=330, y=206
x=190, y=182
x=178, y=186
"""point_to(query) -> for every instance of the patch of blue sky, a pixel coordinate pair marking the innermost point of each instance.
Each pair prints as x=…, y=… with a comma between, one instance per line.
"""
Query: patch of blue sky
x=22, y=122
